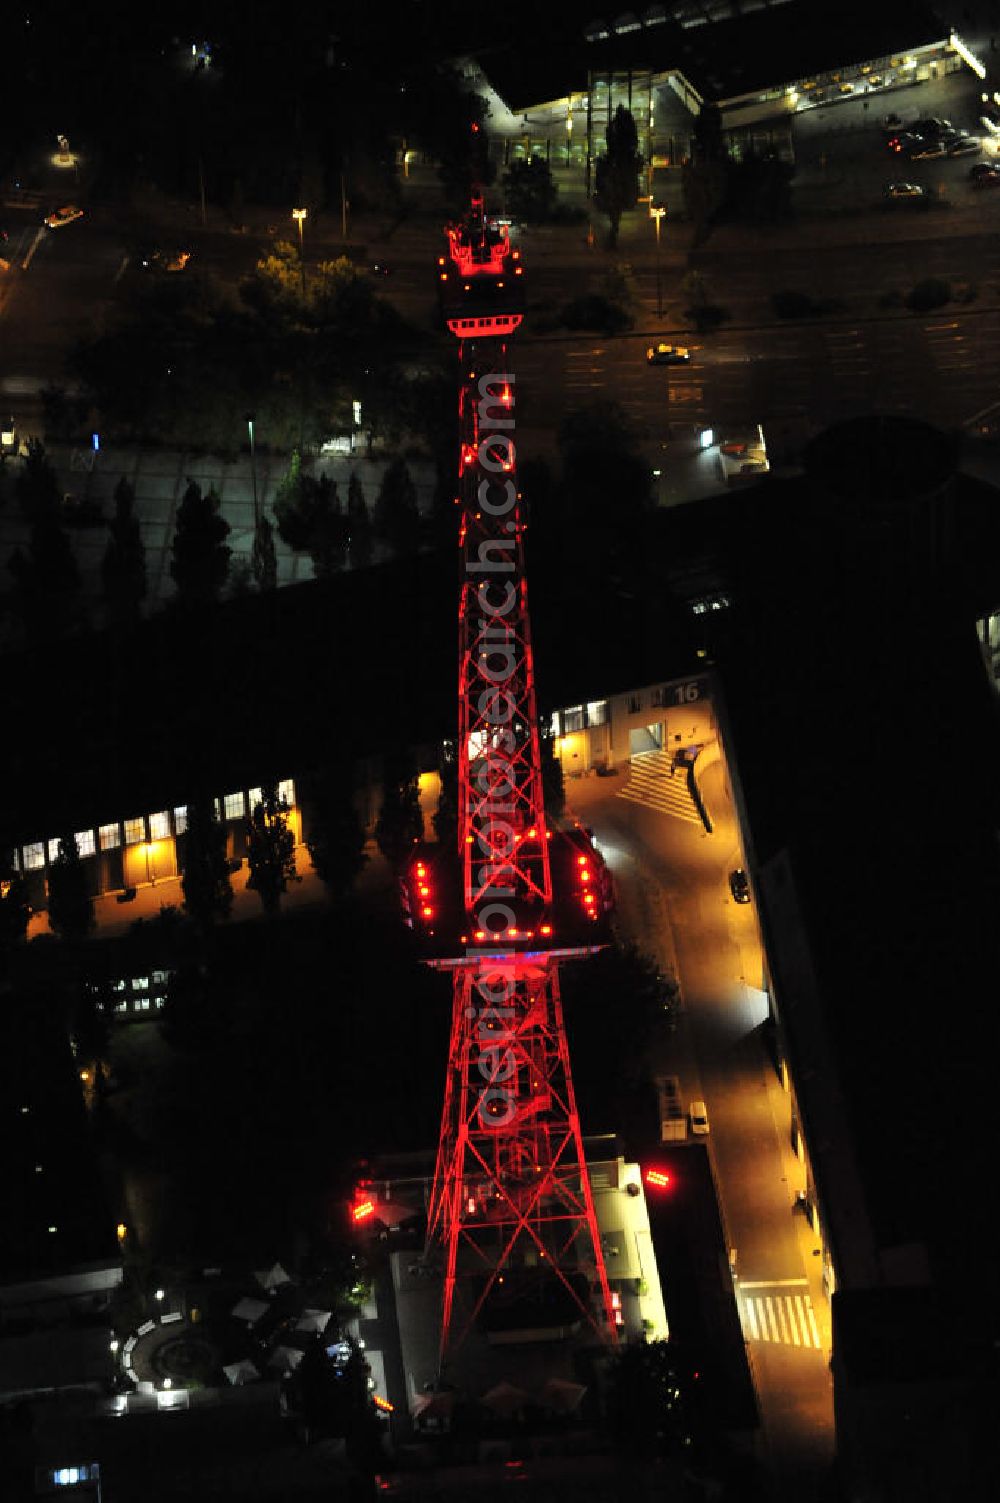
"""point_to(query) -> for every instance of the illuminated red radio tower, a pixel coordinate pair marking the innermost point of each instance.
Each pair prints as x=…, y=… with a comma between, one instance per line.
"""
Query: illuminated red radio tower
x=511, y=1213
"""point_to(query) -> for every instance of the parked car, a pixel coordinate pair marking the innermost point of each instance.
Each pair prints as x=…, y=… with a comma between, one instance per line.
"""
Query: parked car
x=668, y=354
x=902, y=142
x=739, y=885
x=699, y=1118
x=930, y=127
x=65, y=215
x=903, y=190
x=927, y=150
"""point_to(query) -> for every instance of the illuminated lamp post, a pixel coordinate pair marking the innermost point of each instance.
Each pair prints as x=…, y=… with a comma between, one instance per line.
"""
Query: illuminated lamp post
x=299, y=215
x=656, y=213
x=253, y=471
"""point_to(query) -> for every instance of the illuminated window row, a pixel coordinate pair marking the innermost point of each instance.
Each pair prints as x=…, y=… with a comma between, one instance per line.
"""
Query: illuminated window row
x=135, y=995
x=483, y=323
x=578, y=717
x=140, y=829
x=707, y=603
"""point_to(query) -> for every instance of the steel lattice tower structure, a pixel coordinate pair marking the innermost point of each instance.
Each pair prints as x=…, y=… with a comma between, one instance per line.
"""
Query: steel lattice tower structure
x=511, y=1212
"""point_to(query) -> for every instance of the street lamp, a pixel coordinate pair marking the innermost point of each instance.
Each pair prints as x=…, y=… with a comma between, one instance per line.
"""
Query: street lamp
x=656, y=213
x=253, y=471
x=299, y=215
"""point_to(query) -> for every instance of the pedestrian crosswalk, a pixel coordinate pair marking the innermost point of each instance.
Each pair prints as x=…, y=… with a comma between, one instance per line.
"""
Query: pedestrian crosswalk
x=780, y=1314
x=650, y=783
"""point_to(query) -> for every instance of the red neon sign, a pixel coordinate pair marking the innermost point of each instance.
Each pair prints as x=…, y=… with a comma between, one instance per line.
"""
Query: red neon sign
x=363, y=1210
x=658, y=1178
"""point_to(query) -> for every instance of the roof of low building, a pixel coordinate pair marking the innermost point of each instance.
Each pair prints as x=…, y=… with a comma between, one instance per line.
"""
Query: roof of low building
x=867, y=740
x=722, y=53
x=56, y=1218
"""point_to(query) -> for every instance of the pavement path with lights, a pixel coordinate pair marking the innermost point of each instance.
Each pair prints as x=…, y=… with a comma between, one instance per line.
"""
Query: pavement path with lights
x=674, y=901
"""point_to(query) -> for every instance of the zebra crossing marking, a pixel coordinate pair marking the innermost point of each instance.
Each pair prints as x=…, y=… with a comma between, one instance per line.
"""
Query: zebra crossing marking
x=781, y=1319
x=650, y=783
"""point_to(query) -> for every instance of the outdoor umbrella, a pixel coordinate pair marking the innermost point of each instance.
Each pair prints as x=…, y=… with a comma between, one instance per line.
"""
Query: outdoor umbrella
x=505, y=1399
x=562, y=1396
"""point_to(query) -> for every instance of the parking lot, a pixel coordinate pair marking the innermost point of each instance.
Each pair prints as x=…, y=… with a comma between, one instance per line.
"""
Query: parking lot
x=842, y=164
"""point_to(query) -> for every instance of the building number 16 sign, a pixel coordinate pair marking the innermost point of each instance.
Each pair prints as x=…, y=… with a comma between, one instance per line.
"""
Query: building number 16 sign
x=688, y=693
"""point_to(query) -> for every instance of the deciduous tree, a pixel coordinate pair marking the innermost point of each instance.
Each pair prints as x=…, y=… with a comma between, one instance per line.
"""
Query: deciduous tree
x=91, y=1020
x=270, y=849
x=71, y=911
x=37, y=485
x=445, y=817
x=705, y=176
x=200, y=562
x=336, y=836
x=400, y=821
x=195, y=1014
x=396, y=518
x=328, y=531
x=205, y=880
x=264, y=560
x=617, y=171
x=359, y=525
x=46, y=577
x=123, y=568
x=447, y=119
x=529, y=191
x=645, y=1411
x=15, y=914
x=293, y=506
x=553, y=786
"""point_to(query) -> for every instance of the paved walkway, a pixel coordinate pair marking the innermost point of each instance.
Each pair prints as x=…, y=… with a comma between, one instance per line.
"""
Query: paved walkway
x=674, y=902
x=114, y=919
x=160, y=478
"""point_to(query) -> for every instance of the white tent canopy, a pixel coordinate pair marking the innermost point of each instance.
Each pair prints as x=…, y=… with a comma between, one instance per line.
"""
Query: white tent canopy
x=285, y=1358
x=429, y=1406
x=241, y=1372
x=562, y=1396
x=250, y=1310
x=313, y=1320
x=504, y=1398
x=273, y=1277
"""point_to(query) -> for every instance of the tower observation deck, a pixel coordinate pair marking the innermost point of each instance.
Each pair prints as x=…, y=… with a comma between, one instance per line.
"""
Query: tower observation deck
x=511, y=1216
